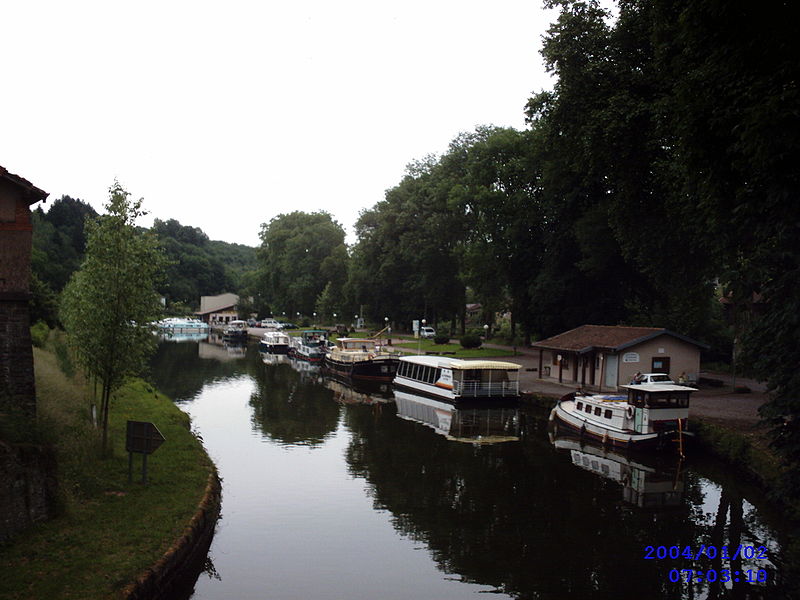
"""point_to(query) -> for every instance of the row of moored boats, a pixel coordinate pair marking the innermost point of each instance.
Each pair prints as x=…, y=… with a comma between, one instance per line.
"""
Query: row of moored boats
x=641, y=415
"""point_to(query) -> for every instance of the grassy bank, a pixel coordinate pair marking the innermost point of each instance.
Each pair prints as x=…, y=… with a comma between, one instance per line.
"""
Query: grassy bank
x=424, y=346
x=110, y=530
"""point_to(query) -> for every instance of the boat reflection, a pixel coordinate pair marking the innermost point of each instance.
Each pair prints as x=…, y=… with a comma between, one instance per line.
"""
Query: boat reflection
x=177, y=336
x=347, y=391
x=646, y=482
x=268, y=358
x=475, y=424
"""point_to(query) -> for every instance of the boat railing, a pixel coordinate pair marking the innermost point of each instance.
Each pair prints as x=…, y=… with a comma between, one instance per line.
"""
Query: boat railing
x=479, y=388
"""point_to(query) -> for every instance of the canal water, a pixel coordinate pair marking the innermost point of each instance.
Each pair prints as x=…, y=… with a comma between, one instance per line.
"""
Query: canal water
x=331, y=492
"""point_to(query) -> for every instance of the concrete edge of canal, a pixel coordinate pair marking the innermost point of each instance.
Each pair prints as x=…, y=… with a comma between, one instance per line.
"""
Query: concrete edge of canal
x=179, y=567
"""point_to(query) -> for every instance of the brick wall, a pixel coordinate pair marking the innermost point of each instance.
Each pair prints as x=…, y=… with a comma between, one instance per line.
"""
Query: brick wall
x=17, y=389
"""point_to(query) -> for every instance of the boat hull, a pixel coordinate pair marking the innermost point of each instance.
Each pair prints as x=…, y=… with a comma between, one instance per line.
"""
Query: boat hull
x=611, y=436
x=378, y=369
x=273, y=348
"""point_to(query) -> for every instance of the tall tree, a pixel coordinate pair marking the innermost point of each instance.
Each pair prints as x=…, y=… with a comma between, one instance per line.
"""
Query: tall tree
x=109, y=301
x=300, y=254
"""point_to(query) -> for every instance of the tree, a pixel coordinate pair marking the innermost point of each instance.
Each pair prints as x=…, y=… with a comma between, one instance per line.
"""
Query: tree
x=300, y=254
x=109, y=301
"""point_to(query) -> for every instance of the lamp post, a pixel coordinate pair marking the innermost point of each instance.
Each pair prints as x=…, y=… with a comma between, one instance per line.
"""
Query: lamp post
x=419, y=342
x=485, y=332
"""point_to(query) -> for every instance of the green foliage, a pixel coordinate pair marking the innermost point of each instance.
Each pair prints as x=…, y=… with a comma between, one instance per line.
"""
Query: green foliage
x=301, y=254
x=59, y=241
x=471, y=340
x=197, y=266
x=441, y=339
x=39, y=334
x=108, y=303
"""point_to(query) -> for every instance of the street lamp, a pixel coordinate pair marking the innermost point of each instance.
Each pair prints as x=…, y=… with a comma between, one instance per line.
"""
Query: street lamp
x=419, y=341
x=485, y=332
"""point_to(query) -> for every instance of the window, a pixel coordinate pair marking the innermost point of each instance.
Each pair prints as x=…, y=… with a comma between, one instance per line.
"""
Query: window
x=597, y=411
x=607, y=414
x=588, y=409
x=580, y=405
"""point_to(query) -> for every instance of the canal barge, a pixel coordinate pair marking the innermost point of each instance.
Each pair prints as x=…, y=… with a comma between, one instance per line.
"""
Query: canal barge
x=311, y=345
x=644, y=416
x=456, y=380
x=275, y=342
x=367, y=359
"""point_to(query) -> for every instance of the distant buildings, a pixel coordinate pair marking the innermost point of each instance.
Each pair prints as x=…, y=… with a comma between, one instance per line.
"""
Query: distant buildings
x=218, y=310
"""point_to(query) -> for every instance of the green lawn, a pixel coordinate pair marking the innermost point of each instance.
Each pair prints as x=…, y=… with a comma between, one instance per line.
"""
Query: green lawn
x=110, y=530
x=423, y=346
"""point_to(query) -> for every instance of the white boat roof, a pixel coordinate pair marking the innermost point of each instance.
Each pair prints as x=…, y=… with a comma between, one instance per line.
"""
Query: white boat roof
x=444, y=362
x=659, y=387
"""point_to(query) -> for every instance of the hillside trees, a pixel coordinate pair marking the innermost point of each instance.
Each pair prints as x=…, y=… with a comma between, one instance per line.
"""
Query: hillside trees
x=300, y=255
x=108, y=302
x=197, y=266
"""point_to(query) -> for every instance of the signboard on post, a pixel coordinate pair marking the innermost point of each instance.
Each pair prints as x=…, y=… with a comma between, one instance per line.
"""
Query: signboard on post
x=143, y=438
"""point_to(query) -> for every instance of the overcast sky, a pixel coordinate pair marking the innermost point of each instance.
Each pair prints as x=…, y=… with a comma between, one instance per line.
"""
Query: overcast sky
x=223, y=115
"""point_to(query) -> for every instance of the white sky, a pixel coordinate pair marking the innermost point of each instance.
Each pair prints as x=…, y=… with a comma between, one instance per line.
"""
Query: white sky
x=223, y=115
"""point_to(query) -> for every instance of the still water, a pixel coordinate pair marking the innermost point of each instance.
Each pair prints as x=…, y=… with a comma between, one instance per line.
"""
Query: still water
x=336, y=493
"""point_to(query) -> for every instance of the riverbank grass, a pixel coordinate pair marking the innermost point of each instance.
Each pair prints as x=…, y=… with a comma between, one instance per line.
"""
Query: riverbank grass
x=110, y=530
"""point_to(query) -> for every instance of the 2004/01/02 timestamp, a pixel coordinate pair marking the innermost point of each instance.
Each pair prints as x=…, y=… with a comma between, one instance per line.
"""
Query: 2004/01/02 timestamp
x=723, y=575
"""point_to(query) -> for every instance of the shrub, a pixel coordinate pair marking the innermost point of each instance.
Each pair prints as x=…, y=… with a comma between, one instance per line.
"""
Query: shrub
x=471, y=341
x=441, y=339
x=39, y=334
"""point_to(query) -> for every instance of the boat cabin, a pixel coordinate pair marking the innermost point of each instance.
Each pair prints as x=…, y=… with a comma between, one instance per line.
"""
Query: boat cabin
x=455, y=378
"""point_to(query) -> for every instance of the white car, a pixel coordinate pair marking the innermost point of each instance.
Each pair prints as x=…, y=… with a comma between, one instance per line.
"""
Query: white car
x=270, y=324
x=427, y=332
x=653, y=378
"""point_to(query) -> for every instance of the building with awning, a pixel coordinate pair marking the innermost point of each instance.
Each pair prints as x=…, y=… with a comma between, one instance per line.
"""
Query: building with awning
x=218, y=309
x=604, y=357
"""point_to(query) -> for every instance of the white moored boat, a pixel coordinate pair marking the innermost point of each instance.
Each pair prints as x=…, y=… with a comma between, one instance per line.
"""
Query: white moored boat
x=457, y=380
x=646, y=415
x=275, y=342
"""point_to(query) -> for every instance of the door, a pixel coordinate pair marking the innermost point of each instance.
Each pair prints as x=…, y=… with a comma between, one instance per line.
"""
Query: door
x=660, y=364
x=611, y=370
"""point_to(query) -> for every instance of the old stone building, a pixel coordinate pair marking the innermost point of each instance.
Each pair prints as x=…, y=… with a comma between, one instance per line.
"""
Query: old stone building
x=17, y=391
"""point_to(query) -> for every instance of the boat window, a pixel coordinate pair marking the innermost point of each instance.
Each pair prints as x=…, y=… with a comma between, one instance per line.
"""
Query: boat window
x=597, y=411
x=580, y=406
x=588, y=408
x=607, y=414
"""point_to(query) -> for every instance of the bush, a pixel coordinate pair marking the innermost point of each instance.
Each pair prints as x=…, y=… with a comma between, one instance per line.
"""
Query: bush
x=441, y=339
x=39, y=334
x=471, y=341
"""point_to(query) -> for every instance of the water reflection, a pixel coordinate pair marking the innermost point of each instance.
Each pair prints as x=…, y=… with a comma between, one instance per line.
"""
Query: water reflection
x=487, y=424
x=647, y=480
x=291, y=406
x=315, y=472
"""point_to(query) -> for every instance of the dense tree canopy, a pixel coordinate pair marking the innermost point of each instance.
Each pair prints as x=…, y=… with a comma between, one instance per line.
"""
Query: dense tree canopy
x=301, y=254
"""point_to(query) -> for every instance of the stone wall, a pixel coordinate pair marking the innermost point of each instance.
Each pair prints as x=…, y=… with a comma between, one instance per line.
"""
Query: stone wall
x=29, y=486
x=173, y=576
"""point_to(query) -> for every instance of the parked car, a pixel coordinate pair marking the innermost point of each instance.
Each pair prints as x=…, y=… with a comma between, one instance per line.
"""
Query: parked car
x=270, y=324
x=652, y=378
x=287, y=326
x=427, y=333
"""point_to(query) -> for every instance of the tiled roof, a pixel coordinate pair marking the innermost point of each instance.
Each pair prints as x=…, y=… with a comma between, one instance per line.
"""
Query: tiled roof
x=611, y=337
x=32, y=193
